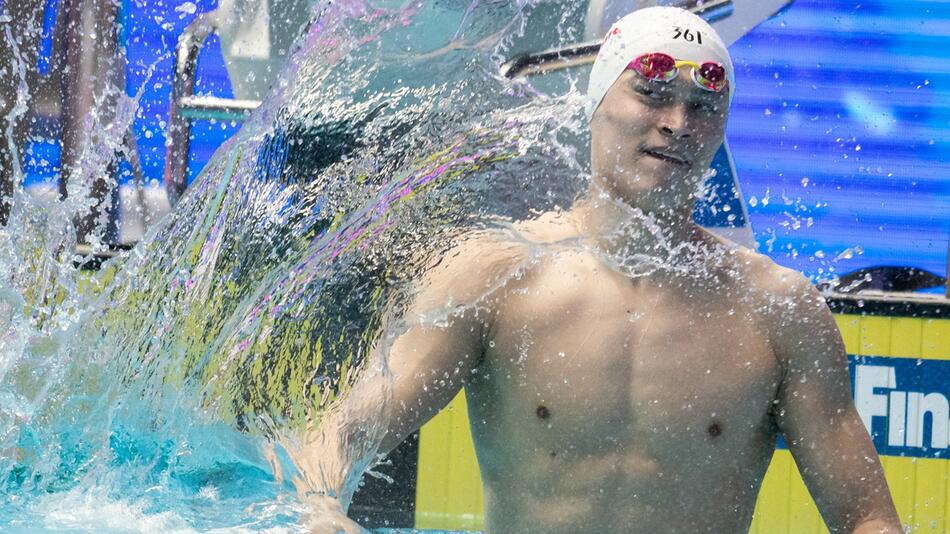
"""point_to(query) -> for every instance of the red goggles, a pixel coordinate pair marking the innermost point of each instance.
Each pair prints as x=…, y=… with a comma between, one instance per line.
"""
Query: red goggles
x=660, y=67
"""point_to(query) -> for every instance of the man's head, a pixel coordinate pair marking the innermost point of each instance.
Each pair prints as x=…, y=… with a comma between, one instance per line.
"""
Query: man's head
x=658, y=98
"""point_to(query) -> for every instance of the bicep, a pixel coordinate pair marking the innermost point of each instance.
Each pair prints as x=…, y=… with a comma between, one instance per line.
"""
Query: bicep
x=431, y=361
x=429, y=364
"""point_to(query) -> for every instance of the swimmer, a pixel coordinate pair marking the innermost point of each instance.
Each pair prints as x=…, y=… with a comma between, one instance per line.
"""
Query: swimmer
x=609, y=397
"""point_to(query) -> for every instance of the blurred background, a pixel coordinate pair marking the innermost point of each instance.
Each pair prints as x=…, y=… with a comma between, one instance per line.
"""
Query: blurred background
x=838, y=129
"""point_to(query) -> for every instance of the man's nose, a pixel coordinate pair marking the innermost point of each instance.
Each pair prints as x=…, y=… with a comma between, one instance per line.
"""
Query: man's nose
x=674, y=122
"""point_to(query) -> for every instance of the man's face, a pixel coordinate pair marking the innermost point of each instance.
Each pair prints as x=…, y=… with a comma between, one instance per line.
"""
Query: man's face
x=651, y=141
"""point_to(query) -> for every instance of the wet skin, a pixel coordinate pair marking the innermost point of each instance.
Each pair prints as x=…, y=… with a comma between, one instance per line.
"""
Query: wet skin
x=657, y=400
x=605, y=400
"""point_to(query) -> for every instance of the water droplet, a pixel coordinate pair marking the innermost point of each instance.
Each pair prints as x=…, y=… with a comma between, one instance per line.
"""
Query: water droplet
x=846, y=254
x=188, y=8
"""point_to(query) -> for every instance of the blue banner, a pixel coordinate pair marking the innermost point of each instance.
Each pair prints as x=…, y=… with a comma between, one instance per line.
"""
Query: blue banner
x=903, y=403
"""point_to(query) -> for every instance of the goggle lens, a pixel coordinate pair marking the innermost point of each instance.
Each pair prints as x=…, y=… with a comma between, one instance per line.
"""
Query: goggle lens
x=656, y=66
x=711, y=76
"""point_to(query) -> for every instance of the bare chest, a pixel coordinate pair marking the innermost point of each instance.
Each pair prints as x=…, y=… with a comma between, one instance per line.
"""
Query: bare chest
x=582, y=367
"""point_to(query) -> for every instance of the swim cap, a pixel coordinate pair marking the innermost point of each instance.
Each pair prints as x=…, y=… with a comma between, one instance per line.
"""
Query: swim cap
x=671, y=30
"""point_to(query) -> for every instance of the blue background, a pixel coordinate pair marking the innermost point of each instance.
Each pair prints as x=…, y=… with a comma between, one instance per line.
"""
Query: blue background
x=855, y=97
x=838, y=128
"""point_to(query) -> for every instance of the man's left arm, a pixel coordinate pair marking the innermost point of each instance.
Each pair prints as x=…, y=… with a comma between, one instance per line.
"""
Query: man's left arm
x=814, y=411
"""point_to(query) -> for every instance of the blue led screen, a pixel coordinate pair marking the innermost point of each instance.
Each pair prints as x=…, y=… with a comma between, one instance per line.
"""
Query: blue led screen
x=840, y=120
x=838, y=127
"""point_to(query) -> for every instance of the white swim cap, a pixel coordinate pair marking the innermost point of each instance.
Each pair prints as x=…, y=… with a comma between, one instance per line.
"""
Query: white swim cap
x=670, y=30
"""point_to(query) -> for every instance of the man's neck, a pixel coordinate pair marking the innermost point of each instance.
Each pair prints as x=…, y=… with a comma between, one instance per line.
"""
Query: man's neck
x=615, y=225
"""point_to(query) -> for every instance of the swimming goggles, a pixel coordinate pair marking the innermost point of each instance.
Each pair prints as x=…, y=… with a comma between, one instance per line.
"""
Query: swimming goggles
x=660, y=67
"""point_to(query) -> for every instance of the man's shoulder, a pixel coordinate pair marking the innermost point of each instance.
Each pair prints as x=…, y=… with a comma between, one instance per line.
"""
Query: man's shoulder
x=789, y=306
x=505, y=243
x=778, y=296
x=548, y=228
x=480, y=251
x=476, y=263
x=767, y=278
x=488, y=259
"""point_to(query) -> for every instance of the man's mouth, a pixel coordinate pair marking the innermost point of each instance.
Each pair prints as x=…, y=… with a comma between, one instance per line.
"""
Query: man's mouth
x=668, y=156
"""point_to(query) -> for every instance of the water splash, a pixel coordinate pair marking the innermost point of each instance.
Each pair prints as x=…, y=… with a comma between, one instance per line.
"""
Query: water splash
x=256, y=305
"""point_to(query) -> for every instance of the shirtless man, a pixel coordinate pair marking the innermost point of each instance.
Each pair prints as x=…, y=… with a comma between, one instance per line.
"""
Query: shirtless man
x=635, y=375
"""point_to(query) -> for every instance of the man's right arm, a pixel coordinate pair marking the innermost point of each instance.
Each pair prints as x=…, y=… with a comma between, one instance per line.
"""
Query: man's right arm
x=446, y=327
x=443, y=342
x=430, y=364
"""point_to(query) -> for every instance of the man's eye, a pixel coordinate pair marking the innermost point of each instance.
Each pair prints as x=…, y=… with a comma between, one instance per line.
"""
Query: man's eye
x=647, y=92
x=706, y=107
